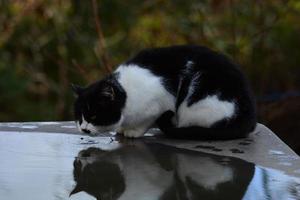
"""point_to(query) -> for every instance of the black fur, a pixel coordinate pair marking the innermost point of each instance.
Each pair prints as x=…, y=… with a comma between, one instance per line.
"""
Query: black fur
x=218, y=75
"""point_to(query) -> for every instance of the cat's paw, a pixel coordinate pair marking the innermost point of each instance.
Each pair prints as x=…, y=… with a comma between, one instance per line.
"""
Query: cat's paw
x=120, y=131
x=133, y=133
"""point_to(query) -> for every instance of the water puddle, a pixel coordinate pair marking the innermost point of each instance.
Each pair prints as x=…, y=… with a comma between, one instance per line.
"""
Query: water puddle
x=54, y=166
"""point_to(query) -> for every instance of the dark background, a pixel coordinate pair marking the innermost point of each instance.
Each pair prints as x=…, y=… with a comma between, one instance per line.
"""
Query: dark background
x=45, y=45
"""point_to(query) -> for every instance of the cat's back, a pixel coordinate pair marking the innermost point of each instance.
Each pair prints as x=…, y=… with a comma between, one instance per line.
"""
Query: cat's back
x=171, y=62
x=168, y=59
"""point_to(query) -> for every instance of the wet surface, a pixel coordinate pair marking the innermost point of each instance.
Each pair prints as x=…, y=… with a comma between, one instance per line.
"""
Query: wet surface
x=53, y=166
x=58, y=127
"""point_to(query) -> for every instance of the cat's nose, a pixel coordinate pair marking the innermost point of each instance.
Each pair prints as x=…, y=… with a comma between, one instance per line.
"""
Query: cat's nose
x=86, y=130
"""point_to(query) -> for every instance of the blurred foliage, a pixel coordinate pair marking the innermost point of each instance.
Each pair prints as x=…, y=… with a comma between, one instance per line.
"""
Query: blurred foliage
x=47, y=44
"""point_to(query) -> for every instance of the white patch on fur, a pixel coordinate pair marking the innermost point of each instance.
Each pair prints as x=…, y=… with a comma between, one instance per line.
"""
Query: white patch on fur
x=195, y=81
x=84, y=123
x=189, y=64
x=188, y=68
x=205, y=112
x=146, y=99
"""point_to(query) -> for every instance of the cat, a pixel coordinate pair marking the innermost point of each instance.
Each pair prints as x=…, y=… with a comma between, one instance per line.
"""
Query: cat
x=188, y=91
x=146, y=170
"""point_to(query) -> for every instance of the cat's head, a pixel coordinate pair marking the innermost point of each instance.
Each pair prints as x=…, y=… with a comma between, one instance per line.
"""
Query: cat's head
x=98, y=107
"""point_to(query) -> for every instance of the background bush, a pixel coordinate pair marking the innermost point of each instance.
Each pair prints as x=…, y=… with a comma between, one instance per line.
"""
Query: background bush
x=46, y=44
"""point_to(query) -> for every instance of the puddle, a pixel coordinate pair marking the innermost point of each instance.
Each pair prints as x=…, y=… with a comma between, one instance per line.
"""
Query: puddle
x=47, y=123
x=52, y=166
x=68, y=126
x=29, y=126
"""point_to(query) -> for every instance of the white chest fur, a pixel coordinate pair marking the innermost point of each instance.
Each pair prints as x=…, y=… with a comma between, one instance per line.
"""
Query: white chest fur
x=146, y=96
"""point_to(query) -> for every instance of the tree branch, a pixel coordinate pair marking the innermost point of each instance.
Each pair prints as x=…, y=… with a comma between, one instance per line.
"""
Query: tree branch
x=101, y=41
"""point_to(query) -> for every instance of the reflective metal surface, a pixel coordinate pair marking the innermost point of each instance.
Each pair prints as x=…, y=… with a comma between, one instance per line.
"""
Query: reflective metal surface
x=53, y=166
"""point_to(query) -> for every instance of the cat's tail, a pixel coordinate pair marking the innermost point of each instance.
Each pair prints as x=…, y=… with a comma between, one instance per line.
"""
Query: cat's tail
x=240, y=129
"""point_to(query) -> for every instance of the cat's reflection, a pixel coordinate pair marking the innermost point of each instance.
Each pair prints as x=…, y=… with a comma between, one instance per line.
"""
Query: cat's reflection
x=142, y=171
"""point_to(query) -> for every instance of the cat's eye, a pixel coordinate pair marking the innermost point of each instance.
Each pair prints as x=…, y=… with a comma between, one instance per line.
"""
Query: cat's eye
x=93, y=117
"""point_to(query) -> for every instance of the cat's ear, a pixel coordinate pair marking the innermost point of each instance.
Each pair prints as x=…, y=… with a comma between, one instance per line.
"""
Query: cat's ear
x=108, y=91
x=76, y=89
x=75, y=190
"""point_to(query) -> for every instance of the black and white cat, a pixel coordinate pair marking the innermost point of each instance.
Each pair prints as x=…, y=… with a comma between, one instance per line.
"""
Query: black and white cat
x=188, y=91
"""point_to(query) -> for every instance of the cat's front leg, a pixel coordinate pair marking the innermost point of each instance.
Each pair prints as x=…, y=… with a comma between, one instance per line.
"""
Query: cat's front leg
x=138, y=129
x=120, y=131
x=134, y=133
